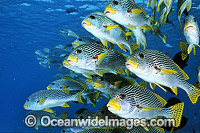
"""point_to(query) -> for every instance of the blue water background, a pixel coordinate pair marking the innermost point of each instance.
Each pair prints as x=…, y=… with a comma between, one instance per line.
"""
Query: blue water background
x=28, y=25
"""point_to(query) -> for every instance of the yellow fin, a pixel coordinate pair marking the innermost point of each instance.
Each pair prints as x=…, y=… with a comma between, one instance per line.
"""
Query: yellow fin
x=186, y=77
x=82, y=84
x=87, y=76
x=152, y=85
x=130, y=27
x=79, y=97
x=135, y=11
x=145, y=109
x=49, y=110
x=117, y=84
x=190, y=48
x=174, y=90
x=143, y=84
x=64, y=89
x=184, y=46
x=65, y=105
x=104, y=42
x=100, y=73
x=194, y=52
x=163, y=101
x=177, y=111
x=164, y=38
x=160, y=2
x=121, y=71
x=110, y=27
x=194, y=94
x=94, y=97
x=166, y=71
x=48, y=87
x=121, y=46
x=64, y=115
x=160, y=86
x=36, y=127
x=100, y=58
x=42, y=100
x=112, y=45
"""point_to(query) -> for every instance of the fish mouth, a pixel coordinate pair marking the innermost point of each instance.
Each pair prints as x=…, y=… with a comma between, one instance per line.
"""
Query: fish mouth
x=96, y=85
x=106, y=12
x=189, y=27
x=66, y=63
x=131, y=64
x=110, y=108
x=86, y=23
x=25, y=106
x=83, y=24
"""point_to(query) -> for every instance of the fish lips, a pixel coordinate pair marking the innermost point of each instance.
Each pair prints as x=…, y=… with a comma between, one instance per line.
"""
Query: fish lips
x=106, y=12
x=189, y=27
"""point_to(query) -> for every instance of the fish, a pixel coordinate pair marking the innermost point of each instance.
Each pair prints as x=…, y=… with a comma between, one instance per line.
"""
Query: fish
x=138, y=102
x=41, y=54
x=67, y=83
x=46, y=99
x=68, y=33
x=105, y=29
x=83, y=40
x=153, y=5
x=83, y=113
x=40, y=113
x=90, y=97
x=198, y=70
x=191, y=33
x=158, y=69
x=103, y=112
x=109, y=83
x=128, y=14
x=183, y=5
x=96, y=58
x=164, y=11
x=140, y=36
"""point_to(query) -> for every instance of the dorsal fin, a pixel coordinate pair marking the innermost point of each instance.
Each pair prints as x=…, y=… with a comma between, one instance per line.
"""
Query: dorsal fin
x=186, y=77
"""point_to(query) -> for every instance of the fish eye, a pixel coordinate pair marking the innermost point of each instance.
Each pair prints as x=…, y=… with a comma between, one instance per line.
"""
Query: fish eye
x=141, y=55
x=28, y=99
x=78, y=51
x=122, y=96
x=52, y=83
x=80, y=39
x=101, y=79
x=92, y=17
x=102, y=112
x=115, y=2
x=194, y=19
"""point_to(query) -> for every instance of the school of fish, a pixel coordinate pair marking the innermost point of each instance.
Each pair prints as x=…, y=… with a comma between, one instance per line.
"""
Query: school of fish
x=110, y=63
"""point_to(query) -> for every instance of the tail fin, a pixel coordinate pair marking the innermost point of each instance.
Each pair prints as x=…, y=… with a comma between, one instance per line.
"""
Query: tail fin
x=176, y=112
x=164, y=38
x=184, y=53
x=134, y=47
x=79, y=97
x=193, y=93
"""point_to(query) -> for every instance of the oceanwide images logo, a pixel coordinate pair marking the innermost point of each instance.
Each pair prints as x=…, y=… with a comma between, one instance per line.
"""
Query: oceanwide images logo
x=46, y=121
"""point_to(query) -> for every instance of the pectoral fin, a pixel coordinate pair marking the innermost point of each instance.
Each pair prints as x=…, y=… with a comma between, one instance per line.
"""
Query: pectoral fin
x=122, y=47
x=152, y=85
x=41, y=101
x=65, y=105
x=64, y=115
x=100, y=58
x=100, y=73
x=87, y=76
x=160, y=86
x=174, y=90
x=49, y=110
x=143, y=84
x=136, y=12
x=189, y=48
x=165, y=71
x=36, y=127
x=184, y=47
x=104, y=42
x=110, y=27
